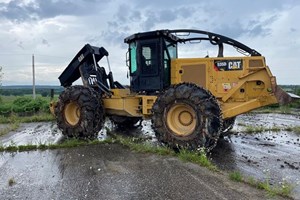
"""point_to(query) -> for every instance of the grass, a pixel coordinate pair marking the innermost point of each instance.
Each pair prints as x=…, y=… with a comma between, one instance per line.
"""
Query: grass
x=259, y=129
x=28, y=147
x=295, y=129
x=236, y=176
x=135, y=145
x=11, y=98
x=11, y=127
x=38, y=117
x=283, y=109
x=282, y=189
x=199, y=158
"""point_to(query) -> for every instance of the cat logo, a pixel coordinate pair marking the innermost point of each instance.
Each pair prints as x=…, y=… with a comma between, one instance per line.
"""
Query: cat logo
x=228, y=65
x=235, y=65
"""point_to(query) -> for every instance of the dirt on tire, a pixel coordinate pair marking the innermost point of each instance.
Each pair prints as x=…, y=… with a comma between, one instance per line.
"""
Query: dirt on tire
x=91, y=112
x=208, y=123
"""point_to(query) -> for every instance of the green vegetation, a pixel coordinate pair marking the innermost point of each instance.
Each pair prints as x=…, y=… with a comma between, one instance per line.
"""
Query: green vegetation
x=136, y=145
x=22, y=110
x=17, y=103
x=44, y=91
x=258, y=129
x=282, y=189
x=295, y=129
x=24, y=106
x=28, y=147
x=199, y=158
x=283, y=109
x=11, y=127
x=236, y=176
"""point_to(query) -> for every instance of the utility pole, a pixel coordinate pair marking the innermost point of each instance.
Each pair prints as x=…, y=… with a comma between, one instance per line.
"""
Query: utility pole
x=33, y=78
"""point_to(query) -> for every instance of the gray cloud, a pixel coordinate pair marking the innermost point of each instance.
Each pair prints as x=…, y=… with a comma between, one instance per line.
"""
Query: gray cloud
x=17, y=11
x=293, y=29
x=45, y=42
x=45, y=26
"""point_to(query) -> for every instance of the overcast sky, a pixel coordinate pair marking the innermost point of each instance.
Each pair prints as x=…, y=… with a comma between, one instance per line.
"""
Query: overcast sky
x=55, y=30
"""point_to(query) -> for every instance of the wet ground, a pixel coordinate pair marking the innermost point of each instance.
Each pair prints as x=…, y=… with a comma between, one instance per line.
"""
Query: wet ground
x=267, y=155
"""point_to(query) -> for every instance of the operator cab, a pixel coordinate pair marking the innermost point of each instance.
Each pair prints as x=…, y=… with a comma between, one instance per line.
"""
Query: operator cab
x=149, y=60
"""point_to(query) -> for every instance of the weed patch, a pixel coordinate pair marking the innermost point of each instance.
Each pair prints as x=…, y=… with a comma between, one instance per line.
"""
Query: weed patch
x=28, y=147
x=236, y=176
x=295, y=129
x=11, y=148
x=136, y=145
x=37, y=117
x=11, y=127
x=199, y=158
x=259, y=129
x=282, y=188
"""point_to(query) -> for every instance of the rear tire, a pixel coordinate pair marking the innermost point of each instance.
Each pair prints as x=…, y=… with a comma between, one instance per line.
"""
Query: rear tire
x=187, y=116
x=79, y=112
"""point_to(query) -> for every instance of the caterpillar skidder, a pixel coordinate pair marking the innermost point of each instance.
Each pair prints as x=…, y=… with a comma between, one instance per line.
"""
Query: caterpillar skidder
x=191, y=101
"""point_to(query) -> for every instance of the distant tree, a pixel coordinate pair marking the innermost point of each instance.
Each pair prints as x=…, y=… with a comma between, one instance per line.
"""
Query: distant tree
x=44, y=93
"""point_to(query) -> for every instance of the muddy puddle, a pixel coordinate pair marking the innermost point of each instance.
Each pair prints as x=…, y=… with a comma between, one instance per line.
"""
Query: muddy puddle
x=266, y=155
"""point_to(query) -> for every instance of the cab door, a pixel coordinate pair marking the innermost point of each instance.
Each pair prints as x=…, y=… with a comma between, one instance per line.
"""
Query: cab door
x=146, y=72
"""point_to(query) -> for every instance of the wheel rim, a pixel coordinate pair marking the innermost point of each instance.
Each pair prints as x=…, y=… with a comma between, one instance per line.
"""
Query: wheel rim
x=181, y=119
x=72, y=113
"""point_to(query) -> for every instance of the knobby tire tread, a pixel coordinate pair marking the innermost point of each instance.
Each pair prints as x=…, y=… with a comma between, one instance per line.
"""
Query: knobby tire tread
x=91, y=112
x=207, y=107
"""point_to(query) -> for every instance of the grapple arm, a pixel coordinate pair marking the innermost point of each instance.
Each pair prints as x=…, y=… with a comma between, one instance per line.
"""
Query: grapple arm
x=84, y=56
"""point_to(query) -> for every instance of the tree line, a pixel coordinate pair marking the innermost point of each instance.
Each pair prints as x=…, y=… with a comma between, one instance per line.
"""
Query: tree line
x=44, y=92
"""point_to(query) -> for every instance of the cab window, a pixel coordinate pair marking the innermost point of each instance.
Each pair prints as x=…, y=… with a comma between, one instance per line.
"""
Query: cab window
x=133, y=65
x=149, y=62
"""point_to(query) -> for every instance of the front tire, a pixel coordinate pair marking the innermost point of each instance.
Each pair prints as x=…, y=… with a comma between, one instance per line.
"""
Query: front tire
x=187, y=116
x=79, y=112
